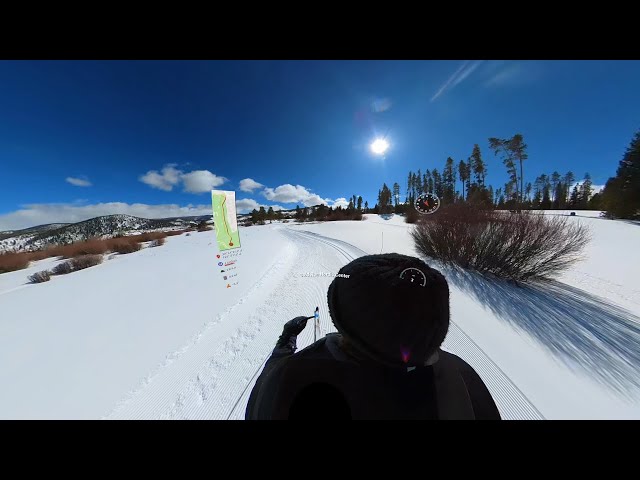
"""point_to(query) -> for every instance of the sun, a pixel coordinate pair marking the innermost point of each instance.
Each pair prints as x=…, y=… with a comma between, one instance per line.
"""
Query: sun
x=379, y=146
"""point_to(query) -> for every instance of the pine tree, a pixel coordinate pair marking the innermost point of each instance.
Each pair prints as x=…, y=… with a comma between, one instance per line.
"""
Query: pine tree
x=409, y=184
x=262, y=214
x=574, y=200
x=558, y=194
x=429, y=187
x=419, y=188
x=510, y=149
x=555, y=180
x=366, y=206
x=462, y=172
x=271, y=214
x=569, y=178
x=468, y=175
x=360, y=200
x=478, y=166
x=595, y=202
x=546, y=197
x=396, y=193
x=519, y=149
x=621, y=196
x=414, y=185
x=498, y=195
x=437, y=183
x=585, y=191
x=254, y=216
x=449, y=181
x=384, y=200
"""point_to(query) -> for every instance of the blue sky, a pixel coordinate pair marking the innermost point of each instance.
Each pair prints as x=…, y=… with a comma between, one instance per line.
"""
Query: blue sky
x=149, y=138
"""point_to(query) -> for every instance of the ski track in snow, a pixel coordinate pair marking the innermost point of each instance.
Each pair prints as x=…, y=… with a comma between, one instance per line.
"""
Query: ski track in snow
x=211, y=376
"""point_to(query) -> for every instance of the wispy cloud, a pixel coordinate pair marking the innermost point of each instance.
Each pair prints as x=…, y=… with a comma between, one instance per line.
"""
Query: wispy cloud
x=79, y=182
x=462, y=73
x=515, y=74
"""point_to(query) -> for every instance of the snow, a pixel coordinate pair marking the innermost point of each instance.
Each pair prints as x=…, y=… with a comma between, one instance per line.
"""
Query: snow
x=154, y=334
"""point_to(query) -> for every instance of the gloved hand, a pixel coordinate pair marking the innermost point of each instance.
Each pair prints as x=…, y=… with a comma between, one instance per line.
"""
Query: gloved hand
x=287, y=342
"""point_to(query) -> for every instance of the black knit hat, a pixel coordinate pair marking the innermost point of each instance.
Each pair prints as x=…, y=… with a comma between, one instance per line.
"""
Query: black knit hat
x=388, y=310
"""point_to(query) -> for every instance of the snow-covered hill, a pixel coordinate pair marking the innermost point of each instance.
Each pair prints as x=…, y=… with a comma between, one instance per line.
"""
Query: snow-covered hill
x=155, y=334
x=107, y=226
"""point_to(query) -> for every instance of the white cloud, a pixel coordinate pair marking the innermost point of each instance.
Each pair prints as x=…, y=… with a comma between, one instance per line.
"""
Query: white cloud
x=594, y=188
x=79, y=182
x=38, y=214
x=245, y=205
x=166, y=180
x=340, y=202
x=200, y=181
x=197, y=181
x=466, y=69
x=249, y=185
x=288, y=193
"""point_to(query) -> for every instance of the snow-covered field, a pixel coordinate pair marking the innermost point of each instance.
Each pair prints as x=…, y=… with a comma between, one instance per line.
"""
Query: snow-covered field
x=155, y=334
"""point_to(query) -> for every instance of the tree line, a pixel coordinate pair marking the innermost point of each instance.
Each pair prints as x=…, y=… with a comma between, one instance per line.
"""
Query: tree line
x=466, y=181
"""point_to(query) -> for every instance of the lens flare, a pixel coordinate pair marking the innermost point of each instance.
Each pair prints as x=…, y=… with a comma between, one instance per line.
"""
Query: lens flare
x=379, y=146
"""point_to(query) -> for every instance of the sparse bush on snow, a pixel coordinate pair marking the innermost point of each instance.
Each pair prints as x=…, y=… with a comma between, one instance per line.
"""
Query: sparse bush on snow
x=412, y=215
x=515, y=246
x=40, y=277
x=124, y=246
x=62, y=268
x=157, y=243
x=85, y=261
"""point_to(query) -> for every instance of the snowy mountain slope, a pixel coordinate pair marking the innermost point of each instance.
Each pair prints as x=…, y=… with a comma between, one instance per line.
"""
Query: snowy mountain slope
x=106, y=226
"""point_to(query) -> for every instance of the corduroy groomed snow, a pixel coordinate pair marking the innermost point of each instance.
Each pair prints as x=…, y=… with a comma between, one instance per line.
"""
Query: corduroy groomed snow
x=392, y=320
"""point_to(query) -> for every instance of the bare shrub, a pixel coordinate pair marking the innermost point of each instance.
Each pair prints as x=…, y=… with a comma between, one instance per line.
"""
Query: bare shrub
x=85, y=261
x=204, y=228
x=412, y=215
x=149, y=236
x=90, y=247
x=158, y=242
x=38, y=255
x=62, y=268
x=188, y=234
x=124, y=246
x=10, y=262
x=517, y=246
x=40, y=277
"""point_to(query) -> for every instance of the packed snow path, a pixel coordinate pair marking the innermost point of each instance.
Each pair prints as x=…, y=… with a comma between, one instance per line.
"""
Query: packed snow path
x=212, y=376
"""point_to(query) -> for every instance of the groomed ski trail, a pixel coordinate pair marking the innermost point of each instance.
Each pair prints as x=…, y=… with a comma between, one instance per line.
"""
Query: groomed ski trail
x=211, y=377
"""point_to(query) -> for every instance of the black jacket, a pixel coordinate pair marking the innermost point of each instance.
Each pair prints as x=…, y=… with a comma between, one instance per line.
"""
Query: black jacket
x=322, y=381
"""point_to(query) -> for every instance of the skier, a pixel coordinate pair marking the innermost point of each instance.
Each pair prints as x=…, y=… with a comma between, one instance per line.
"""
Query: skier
x=392, y=314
